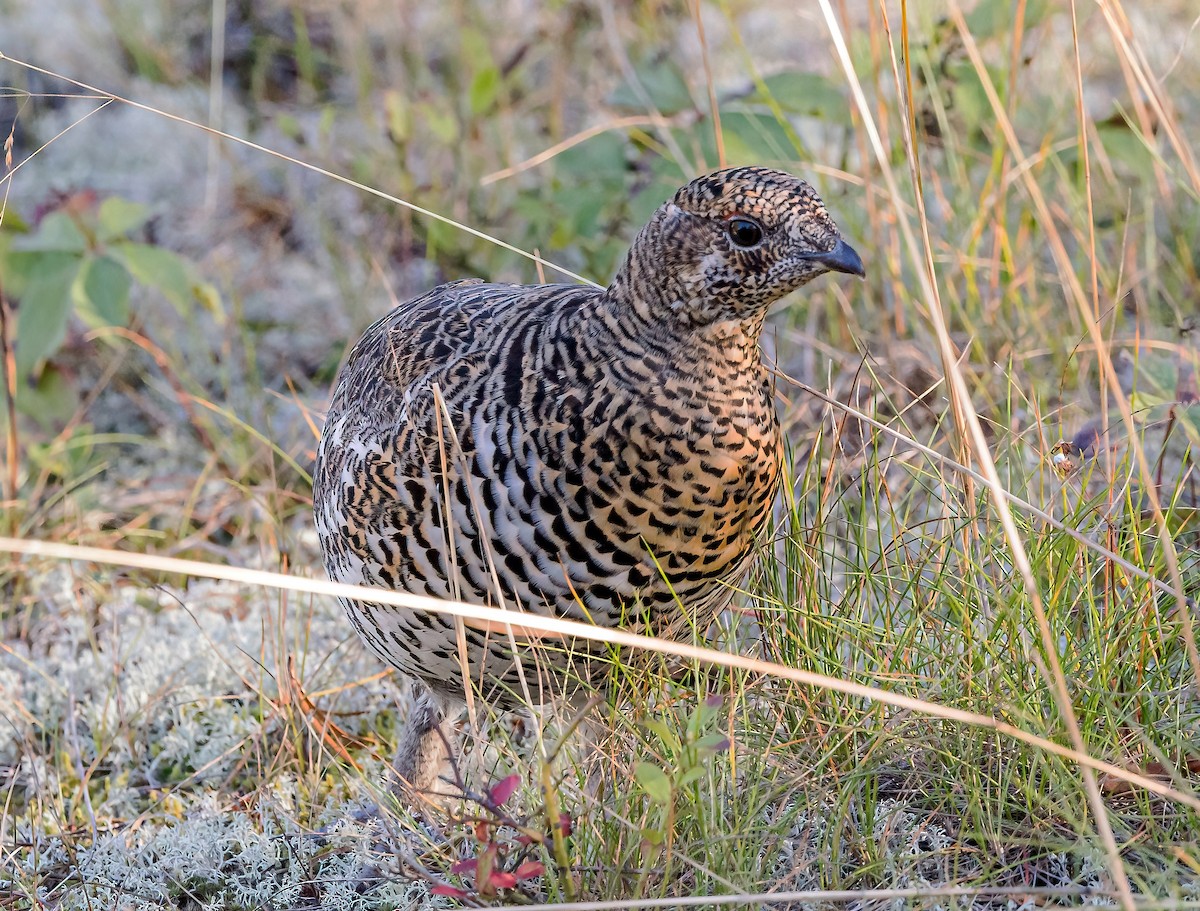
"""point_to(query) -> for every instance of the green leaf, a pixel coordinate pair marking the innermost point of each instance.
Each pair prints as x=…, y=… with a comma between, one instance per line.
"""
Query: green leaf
x=19, y=267
x=664, y=85
x=398, y=115
x=101, y=291
x=654, y=782
x=750, y=138
x=587, y=203
x=50, y=401
x=707, y=711
x=210, y=300
x=654, y=194
x=439, y=237
x=695, y=773
x=653, y=837
x=1142, y=401
x=970, y=97
x=1126, y=146
x=15, y=224
x=712, y=743
x=157, y=268
x=668, y=737
x=289, y=126
x=439, y=120
x=475, y=45
x=603, y=156
x=57, y=232
x=992, y=18
x=44, y=309
x=809, y=94
x=485, y=87
x=118, y=217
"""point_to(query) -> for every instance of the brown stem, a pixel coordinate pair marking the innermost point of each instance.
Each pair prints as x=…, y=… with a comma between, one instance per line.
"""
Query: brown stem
x=11, y=442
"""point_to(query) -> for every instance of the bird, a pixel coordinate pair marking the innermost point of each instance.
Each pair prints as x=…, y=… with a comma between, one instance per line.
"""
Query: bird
x=596, y=454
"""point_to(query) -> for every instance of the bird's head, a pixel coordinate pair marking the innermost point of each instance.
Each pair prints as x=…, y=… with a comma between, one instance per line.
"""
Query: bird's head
x=730, y=244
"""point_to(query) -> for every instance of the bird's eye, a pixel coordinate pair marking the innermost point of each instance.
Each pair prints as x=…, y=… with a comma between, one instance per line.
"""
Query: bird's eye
x=745, y=232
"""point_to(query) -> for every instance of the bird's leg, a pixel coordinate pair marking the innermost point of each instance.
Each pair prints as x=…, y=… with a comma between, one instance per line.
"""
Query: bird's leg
x=426, y=749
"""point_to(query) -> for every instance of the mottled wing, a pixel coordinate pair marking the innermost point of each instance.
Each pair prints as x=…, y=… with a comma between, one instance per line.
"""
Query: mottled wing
x=378, y=475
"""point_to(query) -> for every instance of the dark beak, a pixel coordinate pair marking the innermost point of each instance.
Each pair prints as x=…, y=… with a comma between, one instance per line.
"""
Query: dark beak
x=842, y=258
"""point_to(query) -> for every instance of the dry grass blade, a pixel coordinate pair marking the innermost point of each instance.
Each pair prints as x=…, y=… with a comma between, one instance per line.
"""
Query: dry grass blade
x=713, y=105
x=534, y=626
x=8, y=363
x=771, y=899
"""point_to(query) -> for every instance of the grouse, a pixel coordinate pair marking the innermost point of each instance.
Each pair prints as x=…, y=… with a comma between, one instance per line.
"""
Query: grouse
x=595, y=454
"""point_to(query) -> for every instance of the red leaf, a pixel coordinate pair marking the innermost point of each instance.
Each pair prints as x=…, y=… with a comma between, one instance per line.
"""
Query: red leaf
x=503, y=880
x=565, y=824
x=464, y=866
x=443, y=889
x=529, y=870
x=504, y=789
x=482, y=829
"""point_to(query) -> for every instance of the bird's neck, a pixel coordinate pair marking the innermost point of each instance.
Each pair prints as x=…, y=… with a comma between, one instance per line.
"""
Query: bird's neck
x=650, y=303
x=717, y=356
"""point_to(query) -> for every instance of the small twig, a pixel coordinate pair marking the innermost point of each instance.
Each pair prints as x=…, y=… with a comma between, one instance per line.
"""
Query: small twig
x=6, y=349
x=11, y=441
x=714, y=106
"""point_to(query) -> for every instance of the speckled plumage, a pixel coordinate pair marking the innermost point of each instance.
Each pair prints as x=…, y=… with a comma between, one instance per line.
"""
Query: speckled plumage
x=591, y=441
